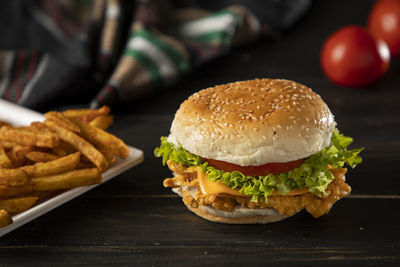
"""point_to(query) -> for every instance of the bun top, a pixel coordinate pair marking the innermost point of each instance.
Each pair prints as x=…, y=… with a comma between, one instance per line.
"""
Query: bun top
x=251, y=123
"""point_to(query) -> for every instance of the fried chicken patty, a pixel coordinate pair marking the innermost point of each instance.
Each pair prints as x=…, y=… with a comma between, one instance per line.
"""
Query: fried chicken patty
x=188, y=183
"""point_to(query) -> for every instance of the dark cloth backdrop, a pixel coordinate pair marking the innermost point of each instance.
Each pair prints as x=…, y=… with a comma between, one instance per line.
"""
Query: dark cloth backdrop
x=96, y=52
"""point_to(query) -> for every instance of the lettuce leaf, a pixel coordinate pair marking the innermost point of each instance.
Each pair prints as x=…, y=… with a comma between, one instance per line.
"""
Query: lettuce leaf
x=313, y=173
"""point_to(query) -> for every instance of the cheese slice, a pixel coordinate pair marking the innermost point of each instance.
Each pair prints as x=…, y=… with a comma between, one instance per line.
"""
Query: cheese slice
x=209, y=188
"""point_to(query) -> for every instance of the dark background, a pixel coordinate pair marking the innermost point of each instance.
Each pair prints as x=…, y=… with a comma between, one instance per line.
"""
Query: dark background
x=133, y=220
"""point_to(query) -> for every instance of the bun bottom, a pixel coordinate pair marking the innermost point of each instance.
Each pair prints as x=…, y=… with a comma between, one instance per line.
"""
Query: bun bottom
x=254, y=219
x=235, y=217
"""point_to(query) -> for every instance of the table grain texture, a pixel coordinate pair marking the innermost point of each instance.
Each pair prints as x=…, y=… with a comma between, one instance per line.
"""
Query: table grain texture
x=133, y=221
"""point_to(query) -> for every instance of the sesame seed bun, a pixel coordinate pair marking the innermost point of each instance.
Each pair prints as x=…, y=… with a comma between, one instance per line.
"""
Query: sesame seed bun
x=251, y=123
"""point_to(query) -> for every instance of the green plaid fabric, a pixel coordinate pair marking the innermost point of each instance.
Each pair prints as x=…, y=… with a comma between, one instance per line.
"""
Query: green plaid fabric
x=155, y=59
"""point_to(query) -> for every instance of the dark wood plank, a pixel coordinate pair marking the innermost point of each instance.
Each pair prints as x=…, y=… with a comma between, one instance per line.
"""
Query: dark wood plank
x=201, y=256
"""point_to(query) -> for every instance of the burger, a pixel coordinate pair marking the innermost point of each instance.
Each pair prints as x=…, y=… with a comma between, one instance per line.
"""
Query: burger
x=256, y=151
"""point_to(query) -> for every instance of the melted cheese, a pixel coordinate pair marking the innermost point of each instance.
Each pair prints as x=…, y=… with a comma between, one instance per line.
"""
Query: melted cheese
x=208, y=187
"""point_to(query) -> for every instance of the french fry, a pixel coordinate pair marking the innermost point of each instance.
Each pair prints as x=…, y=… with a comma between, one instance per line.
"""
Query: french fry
x=14, y=162
x=17, y=205
x=62, y=120
x=44, y=194
x=63, y=149
x=85, y=165
x=5, y=162
x=5, y=218
x=102, y=122
x=86, y=115
x=39, y=156
x=13, y=177
x=69, y=150
x=104, y=139
x=67, y=180
x=80, y=144
x=108, y=154
x=78, y=113
x=60, y=150
x=40, y=126
x=19, y=152
x=40, y=195
x=28, y=137
x=9, y=191
x=7, y=144
x=56, y=166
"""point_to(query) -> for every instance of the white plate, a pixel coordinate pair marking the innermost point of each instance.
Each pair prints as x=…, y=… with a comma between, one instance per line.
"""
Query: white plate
x=18, y=116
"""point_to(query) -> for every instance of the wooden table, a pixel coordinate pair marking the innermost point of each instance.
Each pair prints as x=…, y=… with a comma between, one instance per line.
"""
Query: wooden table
x=133, y=220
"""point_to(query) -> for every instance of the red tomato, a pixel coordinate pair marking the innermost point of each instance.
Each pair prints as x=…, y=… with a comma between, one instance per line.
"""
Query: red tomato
x=274, y=168
x=352, y=57
x=384, y=23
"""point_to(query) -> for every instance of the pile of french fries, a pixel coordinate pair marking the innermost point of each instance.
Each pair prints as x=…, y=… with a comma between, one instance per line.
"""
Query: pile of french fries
x=69, y=149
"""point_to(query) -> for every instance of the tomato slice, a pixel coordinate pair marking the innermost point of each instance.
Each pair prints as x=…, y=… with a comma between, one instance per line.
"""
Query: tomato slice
x=262, y=170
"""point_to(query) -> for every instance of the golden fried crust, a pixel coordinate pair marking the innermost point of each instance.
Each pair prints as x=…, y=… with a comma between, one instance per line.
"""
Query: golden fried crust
x=285, y=205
